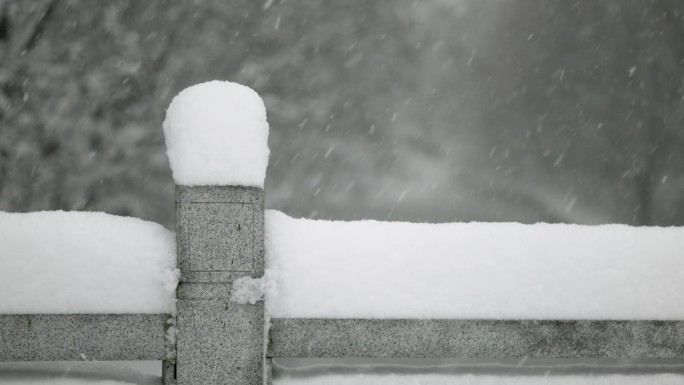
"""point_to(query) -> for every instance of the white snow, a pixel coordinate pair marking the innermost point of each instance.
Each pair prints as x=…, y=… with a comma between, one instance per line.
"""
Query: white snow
x=369, y=269
x=85, y=262
x=216, y=134
x=471, y=379
x=247, y=290
x=171, y=336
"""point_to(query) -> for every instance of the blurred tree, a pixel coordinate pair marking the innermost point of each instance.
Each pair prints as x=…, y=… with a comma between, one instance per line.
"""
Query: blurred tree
x=431, y=111
x=582, y=108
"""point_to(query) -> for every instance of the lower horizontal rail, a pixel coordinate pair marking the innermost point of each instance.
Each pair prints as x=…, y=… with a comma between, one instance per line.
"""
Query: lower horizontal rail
x=438, y=338
x=75, y=337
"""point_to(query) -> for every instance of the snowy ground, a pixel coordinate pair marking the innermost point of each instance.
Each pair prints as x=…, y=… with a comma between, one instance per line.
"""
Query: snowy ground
x=80, y=373
x=435, y=379
x=423, y=379
x=147, y=373
x=394, y=379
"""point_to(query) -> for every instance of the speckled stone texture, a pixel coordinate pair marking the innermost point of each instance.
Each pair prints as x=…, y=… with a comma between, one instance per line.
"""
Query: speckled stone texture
x=475, y=338
x=220, y=228
x=75, y=337
x=220, y=342
x=220, y=238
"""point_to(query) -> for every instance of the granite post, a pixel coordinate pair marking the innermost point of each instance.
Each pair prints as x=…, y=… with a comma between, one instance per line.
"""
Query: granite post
x=220, y=232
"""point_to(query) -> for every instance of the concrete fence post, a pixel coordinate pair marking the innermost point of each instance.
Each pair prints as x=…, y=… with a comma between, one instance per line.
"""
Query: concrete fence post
x=220, y=231
x=216, y=137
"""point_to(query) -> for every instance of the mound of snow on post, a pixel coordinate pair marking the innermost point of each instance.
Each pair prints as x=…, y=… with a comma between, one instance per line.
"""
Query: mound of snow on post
x=369, y=269
x=85, y=262
x=217, y=134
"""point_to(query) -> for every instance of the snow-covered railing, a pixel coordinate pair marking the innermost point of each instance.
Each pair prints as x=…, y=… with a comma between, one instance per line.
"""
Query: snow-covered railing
x=332, y=289
x=473, y=290
x=373, y=289
x=85, y=286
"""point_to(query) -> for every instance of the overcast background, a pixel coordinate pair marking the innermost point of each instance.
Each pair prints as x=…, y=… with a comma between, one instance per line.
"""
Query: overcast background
x=433, y=110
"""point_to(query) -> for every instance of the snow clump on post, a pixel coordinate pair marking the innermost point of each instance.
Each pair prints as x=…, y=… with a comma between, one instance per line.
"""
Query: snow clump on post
x=217, y=134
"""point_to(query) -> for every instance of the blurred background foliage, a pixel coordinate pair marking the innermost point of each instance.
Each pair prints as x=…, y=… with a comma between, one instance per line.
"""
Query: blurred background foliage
x=436, y=110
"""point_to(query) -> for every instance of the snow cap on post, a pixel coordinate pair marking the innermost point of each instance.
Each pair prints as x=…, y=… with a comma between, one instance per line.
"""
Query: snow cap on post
x=217, y=134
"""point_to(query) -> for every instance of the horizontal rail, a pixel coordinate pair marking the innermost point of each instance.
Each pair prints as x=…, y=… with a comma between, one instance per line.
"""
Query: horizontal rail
x=75, y=337
x=438, y=338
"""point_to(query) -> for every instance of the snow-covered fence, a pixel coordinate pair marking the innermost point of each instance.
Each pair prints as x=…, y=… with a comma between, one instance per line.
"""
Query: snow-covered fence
x=473, y=290
x=86, y=286
x=104, y=288
x=373, y=289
